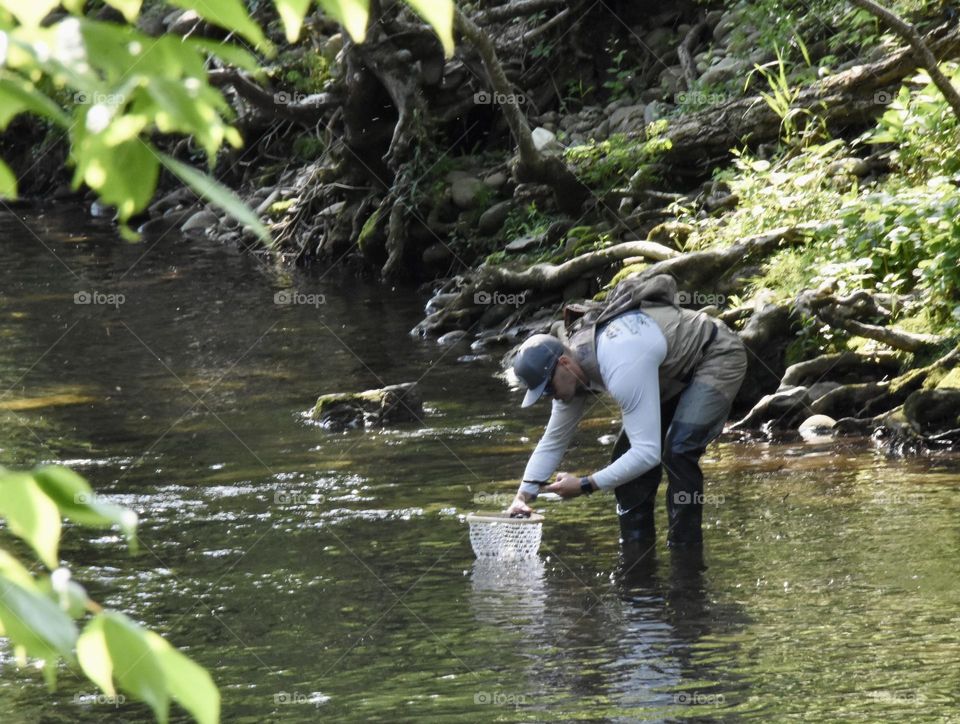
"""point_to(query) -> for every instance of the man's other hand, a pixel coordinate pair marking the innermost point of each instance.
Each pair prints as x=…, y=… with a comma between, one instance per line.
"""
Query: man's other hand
x=567, y=486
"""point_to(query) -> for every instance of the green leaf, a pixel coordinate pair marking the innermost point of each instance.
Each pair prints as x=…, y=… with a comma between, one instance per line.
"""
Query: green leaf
x=34, y=622
x=189, y=684
x=124, y=175
x=232, y=54
x=135, y=666
x=217, y=194
x=31, y=515
x=230, y=15
x=13, y=570
x=129, y=8
x=30, y=12
x=439, y=15
x=291, y=13
x=78, y=502
x=8, y=182
x=18, y=95
x=351, y=14
x=94, y=656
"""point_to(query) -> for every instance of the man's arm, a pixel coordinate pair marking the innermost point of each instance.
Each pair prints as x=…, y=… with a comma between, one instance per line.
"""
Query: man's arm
x=564, y=417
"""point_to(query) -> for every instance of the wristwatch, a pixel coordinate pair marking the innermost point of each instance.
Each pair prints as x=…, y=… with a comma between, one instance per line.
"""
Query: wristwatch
x=585, y=486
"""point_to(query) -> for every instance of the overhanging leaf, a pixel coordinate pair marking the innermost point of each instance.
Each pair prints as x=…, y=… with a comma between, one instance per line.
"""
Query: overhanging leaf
x=230, y=15
x=8, y=182
x=439, y=15
x=217, y=194
x=31, y=515
x=291, y=13
x=351, y=14
x=34, y=622
x=189, y=684
x=78, y=502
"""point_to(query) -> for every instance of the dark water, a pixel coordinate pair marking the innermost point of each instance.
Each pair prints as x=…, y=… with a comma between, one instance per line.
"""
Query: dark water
x=329, y=576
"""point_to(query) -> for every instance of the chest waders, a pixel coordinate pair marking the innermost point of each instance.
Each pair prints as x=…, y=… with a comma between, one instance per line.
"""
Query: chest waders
x=699, y=377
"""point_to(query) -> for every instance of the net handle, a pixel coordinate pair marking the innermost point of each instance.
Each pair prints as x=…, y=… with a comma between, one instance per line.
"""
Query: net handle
x=484, y=517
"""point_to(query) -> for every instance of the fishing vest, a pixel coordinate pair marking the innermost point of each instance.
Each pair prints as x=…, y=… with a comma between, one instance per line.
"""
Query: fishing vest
x=688, y=333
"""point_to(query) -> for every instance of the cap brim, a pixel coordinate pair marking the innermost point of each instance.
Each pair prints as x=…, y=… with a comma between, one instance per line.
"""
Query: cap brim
x=534, y=394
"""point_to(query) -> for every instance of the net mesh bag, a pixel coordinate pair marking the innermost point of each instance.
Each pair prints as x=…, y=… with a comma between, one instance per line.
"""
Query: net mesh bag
x=497, y=535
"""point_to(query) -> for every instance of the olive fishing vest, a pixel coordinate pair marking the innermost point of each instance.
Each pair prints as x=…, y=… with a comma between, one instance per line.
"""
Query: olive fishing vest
x=688, y=333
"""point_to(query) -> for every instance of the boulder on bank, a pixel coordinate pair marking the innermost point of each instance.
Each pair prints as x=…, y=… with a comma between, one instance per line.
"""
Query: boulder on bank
x=370, y=408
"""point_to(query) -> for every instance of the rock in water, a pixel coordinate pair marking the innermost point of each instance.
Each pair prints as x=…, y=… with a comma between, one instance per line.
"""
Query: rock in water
x=370, y=408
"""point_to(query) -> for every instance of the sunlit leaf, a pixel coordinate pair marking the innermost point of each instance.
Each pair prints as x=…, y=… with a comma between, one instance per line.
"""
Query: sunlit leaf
x=217, y=194
x=13, y=570
x=30, y=12
x=228, y=14
x=189, y=684
x=94, y=656
x=439, y=15
x=291, y=13
x=232, y=54
x=135, y=667
x=351, y=14
x=129, y=8
x=78, y=502
x=8, y=182
x=31, y=515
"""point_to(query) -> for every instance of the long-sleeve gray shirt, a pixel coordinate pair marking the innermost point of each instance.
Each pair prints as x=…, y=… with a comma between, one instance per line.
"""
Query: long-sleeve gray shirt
x=629, y=352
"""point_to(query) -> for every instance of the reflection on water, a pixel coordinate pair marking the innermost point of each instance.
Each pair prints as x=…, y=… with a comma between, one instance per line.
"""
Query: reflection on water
x=330, y=576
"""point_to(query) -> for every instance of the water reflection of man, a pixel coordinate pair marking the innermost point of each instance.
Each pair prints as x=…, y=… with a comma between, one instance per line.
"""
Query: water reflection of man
x=674, y=373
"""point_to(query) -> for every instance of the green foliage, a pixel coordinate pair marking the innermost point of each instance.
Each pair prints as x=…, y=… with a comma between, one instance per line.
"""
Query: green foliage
x=608, y=163
x=797, y=125
x=38, y=612
x=620, y=76
x=113, y=89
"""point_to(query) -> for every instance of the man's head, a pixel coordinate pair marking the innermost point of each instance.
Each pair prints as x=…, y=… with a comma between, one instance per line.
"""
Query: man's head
x=546, y=367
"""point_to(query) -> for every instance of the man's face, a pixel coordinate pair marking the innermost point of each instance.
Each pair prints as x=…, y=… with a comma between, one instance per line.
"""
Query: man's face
x=563, y=384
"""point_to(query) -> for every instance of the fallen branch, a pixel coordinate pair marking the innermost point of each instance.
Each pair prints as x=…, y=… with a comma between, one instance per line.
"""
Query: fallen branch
x=921, y=51
x=308, y=111
x=546, y=277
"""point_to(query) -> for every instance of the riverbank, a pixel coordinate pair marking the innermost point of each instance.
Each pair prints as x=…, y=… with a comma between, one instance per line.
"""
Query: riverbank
x=791, y=170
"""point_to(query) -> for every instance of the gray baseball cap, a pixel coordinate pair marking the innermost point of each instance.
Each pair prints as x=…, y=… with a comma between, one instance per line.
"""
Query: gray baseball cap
x=535, y=364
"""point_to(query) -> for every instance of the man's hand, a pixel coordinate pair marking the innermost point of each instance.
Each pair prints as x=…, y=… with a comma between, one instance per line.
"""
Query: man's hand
x=567, y=486
x=519, y=505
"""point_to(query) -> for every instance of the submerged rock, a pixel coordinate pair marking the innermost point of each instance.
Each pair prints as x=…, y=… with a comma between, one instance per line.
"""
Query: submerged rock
x=370, y=408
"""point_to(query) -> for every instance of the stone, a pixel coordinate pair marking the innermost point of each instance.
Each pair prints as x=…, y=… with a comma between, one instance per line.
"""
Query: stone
x=627, y=118
x=332, y=47
x=818, y=422
x=200, y=221
x=453, y=337
x=496, y=180
x=524, y=243
x=545, y=141
x=370, y=408
x=654, y=112
x=491, y=220
x=728, y=67
x=671, y=79
x=467, y=191
x=933, y=411
x=436, y=255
